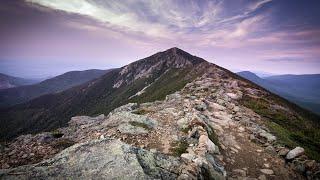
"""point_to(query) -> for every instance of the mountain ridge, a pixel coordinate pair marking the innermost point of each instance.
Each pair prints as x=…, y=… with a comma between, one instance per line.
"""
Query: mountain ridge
x=12, y=96
x=7, y=81
x=192, y=121
x=300, y=89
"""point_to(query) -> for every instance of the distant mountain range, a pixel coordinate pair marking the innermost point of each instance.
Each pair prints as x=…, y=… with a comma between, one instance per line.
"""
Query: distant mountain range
x=7, y=81
x=21, y=94
x=300, y=89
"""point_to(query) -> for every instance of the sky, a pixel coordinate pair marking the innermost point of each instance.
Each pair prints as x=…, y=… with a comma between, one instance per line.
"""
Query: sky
x=44, y=38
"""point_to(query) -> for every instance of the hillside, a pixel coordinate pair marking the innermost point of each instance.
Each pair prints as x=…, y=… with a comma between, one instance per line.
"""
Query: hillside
x=164, y=73
x=12, y=96
x=171, y=115
x=7, y=81
x=300, y=89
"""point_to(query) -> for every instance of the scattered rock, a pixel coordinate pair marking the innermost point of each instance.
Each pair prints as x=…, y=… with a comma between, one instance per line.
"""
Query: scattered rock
x=267, y=171
x=283, y=152
x=241, y=129
x=239, y=172
x=131, y=129
x=259, y=150
x=183, y=123
x=262, y=177
x=299, y=166
x=187, y=157
x=233, y=96
x=295, y=153
x=311, y=164
x=216, y=107
x=271, y=150
x=102, y=136
x=208, y=144
x=267, y=136
x=201, y=107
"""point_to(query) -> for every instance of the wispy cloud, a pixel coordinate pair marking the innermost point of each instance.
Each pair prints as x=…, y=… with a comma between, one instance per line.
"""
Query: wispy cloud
x=162, y=19
x=284, y=59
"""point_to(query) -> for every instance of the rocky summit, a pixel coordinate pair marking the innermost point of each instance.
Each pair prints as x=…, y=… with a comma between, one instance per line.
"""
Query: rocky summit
x=216, y=126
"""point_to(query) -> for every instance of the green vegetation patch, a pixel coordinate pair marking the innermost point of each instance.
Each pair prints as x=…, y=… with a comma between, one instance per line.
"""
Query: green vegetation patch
x=291, y=127
x=186, y=129
x=170, y=82
x=142, y=111
x=63, y=143
x=56, y=134
x=213, y=136
x=179, y=147
x=139, y=124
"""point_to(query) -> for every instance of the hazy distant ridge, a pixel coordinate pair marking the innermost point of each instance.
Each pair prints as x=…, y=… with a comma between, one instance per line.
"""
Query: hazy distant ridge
x=300, y=89
x=59, y=83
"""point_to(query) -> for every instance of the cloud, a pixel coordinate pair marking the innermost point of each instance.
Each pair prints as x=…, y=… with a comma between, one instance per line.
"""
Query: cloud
x=284, y=59
x=156, y=18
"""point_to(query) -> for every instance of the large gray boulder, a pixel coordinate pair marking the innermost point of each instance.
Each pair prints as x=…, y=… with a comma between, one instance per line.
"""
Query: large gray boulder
x=295, y=153
x=129, y=123
x=99, y=159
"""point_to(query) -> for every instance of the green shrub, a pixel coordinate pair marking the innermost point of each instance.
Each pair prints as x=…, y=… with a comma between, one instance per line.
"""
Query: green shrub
x=142, y=111
x=213, y=136
x=56, y=134
x=63, y=143
x=179, y=147
x=139, y=124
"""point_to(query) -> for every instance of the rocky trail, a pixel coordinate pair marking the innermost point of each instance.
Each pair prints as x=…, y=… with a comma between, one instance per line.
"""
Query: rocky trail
x=200, y=132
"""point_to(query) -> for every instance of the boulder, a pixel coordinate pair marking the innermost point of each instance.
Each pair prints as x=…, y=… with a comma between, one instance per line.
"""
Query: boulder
x=187, y=157
x=216, y=107
x=201, y=107
x=283, y=152
x=208, y=144
x=267, y=136
x=267, y=171
x=127, y=128
x=233, y=96
x=295, y=153
x=270, y=149
x=99, y=159
x=239, y=172
x=118, y=118
x=183, y=123
x=262, y=177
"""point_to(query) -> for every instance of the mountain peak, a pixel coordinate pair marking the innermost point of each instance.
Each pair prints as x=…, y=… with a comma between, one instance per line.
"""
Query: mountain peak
x=180, y=56
x=175, y=50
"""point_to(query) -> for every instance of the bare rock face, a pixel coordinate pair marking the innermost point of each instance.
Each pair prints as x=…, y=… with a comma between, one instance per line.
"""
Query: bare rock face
x=99, y=159
x=128, y=122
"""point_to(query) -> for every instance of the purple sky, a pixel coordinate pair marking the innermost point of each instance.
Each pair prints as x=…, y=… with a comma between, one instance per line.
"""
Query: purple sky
x=41, y=38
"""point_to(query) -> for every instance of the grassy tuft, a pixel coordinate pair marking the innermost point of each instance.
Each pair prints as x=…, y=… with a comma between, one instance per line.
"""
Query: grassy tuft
x=179, y=147
x=213, y=136
x=186, y=130
x=142, y=111
x=56, y=134
x=63, y=143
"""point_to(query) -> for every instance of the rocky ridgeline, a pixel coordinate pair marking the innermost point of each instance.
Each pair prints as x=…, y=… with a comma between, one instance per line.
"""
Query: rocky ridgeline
x=200, y=132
